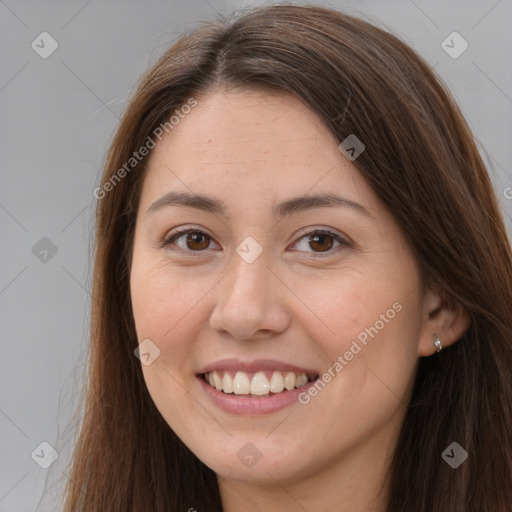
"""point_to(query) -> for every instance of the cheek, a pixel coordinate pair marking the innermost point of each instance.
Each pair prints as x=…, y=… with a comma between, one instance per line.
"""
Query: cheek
x=371, y=364
x=165, y=307
x=160, y=297
x=355, y=307
x=165, y=310
x=367, y=326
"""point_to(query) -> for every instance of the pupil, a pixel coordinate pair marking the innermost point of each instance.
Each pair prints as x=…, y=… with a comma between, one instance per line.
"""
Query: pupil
x=196, y=238
x=321, y=238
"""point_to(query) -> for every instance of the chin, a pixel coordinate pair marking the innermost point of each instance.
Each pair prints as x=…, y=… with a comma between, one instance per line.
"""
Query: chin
x=255, y=459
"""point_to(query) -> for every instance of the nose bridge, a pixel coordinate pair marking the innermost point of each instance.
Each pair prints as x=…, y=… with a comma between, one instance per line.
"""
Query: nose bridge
x=249, y=262
x=249, y=278
x=247, y=300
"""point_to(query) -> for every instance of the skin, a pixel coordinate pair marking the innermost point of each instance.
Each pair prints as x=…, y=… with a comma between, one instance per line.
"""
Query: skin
x=251, y=150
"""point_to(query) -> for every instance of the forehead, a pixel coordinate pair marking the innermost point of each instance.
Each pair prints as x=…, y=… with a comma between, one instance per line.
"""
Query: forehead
x=249, y=125
x=260, y=145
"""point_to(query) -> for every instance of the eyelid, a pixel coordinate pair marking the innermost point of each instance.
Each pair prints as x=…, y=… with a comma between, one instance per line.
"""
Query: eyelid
x=343, y=240
x=181, y=231
x=314, y=229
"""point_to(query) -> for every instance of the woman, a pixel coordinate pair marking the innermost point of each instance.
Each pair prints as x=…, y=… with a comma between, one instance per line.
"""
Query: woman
x=302, y=288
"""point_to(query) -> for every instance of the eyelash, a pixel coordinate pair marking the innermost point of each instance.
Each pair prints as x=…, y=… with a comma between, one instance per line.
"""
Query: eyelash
x=343, y=242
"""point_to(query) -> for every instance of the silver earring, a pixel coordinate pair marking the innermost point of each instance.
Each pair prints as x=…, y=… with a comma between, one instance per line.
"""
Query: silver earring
x=437, y=343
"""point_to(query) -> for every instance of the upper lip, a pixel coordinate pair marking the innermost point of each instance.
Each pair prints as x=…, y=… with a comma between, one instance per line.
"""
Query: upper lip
x=255, y=366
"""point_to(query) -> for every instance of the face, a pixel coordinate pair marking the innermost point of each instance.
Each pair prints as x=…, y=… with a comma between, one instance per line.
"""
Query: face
x=304, y=313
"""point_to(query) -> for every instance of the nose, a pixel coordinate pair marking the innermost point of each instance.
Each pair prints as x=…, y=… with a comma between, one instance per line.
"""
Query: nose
x=250, y=301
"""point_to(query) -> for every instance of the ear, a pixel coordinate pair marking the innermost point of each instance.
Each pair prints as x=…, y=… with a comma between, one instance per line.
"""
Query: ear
x=443, y=316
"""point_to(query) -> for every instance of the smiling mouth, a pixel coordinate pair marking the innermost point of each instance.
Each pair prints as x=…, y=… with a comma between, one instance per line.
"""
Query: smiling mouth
x=259, y=384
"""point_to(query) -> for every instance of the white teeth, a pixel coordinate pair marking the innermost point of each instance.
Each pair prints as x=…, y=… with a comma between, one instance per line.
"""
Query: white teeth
x=241, y=384
x=218, y=381
x=259, y=385
x=227, y=383
x=302, y=379
x=276, y=382
x=289, y=381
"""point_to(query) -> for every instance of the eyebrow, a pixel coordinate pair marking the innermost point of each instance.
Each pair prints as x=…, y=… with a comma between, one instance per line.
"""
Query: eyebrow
x=293, y=205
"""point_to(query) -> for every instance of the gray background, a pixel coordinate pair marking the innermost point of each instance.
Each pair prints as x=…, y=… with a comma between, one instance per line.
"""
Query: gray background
x=58, y=116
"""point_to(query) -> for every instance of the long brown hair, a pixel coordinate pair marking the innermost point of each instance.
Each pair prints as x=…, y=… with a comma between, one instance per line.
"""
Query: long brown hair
x=422, y=161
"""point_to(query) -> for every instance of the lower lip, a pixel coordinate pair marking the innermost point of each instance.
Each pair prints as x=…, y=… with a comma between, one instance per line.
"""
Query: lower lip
x=238, y=404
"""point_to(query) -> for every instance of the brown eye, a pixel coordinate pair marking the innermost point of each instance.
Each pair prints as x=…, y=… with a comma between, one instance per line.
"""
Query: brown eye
x=196, y=240
x=189, y=241
x=321, y=242
x=318, y=242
